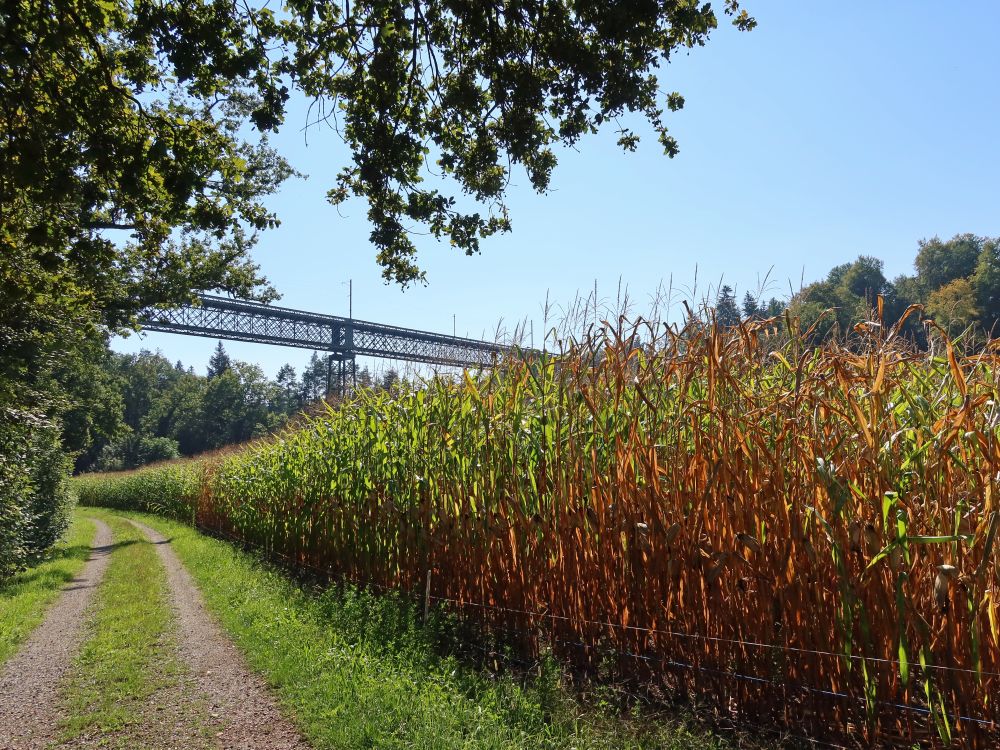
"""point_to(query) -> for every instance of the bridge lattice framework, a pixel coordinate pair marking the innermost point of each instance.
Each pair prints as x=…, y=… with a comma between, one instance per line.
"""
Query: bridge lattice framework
x=344, y=339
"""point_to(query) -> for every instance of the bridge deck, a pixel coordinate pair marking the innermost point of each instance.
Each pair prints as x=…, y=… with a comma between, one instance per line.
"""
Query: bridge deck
x=344, y=338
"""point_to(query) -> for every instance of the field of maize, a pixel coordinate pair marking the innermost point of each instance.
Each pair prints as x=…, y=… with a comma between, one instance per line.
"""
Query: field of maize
x=801, y=537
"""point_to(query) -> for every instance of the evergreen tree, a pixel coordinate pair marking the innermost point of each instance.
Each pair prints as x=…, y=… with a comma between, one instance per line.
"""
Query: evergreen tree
x=389, y=379
x=221, y=410
x=774, y=308
x=289, y=388
x=727, y=314
x=219, y=362
x=314, y=378
x=750, y=307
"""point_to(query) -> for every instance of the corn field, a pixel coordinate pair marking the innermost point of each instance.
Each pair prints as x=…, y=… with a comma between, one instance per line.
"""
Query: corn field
x=168, y=489
x=802, y=537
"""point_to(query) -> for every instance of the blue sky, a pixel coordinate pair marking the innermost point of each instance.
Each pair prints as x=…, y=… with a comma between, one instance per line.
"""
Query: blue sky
x=819, y=136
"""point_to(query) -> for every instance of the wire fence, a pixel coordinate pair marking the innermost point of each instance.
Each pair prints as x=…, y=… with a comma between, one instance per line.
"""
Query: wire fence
x=540, y=636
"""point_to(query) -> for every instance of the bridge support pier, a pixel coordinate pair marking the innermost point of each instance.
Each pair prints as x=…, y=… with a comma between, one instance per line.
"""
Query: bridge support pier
x=346, y=370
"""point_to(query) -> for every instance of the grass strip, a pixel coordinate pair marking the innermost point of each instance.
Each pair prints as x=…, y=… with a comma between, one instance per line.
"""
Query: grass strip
x=25, y=598
x=358, y=671
x=127, y=655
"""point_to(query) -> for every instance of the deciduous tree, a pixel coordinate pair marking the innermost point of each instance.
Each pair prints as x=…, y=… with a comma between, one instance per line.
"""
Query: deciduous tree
x=953, y=306
x=939, y=263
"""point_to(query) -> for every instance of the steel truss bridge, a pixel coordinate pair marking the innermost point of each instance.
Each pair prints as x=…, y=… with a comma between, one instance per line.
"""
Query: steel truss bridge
x=343, y=339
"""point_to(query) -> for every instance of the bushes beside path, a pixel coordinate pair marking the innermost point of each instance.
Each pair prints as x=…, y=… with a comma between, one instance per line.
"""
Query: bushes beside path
x=35, y=500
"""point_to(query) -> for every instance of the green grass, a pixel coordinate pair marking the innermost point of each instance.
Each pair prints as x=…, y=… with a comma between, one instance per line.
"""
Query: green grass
x=128, y=652
x=25, y=598
x=359, y=671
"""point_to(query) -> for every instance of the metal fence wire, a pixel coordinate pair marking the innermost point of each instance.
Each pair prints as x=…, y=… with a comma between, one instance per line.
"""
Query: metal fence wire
x=533, y=641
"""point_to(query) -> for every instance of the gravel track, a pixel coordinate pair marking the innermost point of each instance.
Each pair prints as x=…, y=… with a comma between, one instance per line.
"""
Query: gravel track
x=245, y=714
x=30, y=681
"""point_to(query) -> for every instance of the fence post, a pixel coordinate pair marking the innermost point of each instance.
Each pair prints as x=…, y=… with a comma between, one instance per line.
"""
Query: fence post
x=427, y=596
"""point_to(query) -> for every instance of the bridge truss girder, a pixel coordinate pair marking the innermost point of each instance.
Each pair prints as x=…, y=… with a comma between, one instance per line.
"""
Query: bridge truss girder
x=343, y=338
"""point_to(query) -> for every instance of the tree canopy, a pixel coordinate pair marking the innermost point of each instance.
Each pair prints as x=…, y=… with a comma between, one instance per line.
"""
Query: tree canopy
x=125, y=177
x=466, y=92
x=957, y=282
x=131, y=118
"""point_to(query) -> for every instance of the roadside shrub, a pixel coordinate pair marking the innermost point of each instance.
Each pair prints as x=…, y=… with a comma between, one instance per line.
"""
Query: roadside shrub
x=35, y=501
x=131, y=451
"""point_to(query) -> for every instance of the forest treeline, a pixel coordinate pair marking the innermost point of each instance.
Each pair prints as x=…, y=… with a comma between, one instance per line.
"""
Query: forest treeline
x=956, y=281
x=154, y=410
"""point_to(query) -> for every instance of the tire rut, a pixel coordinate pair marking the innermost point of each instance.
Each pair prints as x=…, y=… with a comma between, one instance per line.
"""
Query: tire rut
x=30, y=680
x=240, y=702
